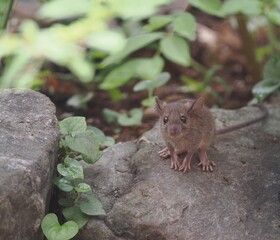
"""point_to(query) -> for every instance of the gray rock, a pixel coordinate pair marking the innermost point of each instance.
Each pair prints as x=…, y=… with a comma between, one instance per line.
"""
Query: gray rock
x=28, y=152
x=145, y=199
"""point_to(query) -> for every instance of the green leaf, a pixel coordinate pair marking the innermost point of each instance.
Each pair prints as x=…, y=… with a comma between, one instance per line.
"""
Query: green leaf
x=98, y=133
x=107, y=41
x=65, y=202
x=185, y=25
x=149, y=68
x=133, y=44
x=54, y=231
x=158, y=21
x=72, y=125
x=83, y=187
x=274, y=16
x=71, y=169
x=176, y=50
x=61, y=9
x=252, y=7
x=211, y=7
x=79, y=100
x=92, y=206
x=110, y=115
x=271, y=81
x=272, y=68
x=265, y=87
x=64, y=184
x=133, y=10
x=148, y=102
x=160, y=80
x=120, y=75
x=134, y=118
x=85, y=143
x=75, y=214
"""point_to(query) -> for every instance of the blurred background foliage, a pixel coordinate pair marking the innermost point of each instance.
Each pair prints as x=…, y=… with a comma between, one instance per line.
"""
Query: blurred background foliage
x=97, y=41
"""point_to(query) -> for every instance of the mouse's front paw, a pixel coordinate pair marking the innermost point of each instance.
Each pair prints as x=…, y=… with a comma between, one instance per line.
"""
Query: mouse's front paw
x=207, y=165
x=164, y=153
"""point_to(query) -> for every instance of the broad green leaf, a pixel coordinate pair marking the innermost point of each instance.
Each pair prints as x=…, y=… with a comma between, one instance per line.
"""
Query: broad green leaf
x=98, y=133
x=271, y=81
x=71, y=169
x=158, y=81
x=60, y=9
x=185, y=25
x=107, y=41
x=80, y=100
x=149, y=68
x=176, y=50
x=92, y=206
x=211, y=7
x=265, y=87
x=75, y=214
x=54, y=231
x=272, y=68
x=158, y=21
x=110, y=115
x=85, y=143
x=133, y=44
x=72, y=125
x=148, y=102
x=109, y=142
x=14, y=70
x=134, y=118
x=162, y=79
x=252, y=7
x=81, y=68
x=64, y=184
x=120, y=75
x=83, y=187
x=274, y=16
x=132, y=9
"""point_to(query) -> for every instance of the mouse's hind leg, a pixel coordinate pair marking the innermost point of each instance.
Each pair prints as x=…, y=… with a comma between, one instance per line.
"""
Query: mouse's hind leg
x=204, y=161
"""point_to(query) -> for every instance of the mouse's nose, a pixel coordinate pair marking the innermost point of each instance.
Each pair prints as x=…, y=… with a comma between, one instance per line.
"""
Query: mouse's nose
x=173, y=131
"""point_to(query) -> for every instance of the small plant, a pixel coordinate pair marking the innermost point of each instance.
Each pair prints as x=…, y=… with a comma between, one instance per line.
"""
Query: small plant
x=271, y=79
x=78, y=142
x=209, y=77
x=134, y=117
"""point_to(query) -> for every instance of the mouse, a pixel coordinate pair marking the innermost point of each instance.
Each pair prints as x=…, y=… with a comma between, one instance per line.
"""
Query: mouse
x=187, y=126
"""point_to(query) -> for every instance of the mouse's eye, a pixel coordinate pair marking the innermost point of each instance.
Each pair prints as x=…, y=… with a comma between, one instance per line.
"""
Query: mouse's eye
x=183, y=119
x=165, y=120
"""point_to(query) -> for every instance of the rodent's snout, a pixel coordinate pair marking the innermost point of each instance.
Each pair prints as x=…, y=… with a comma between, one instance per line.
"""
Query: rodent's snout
x=174, y=131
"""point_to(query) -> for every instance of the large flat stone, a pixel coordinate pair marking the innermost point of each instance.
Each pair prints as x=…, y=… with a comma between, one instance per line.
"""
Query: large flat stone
x=145, y=199
x=28, y=151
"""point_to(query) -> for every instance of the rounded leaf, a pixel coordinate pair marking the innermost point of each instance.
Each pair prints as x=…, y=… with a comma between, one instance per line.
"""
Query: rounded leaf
x=185, y=25
x=72, y=125
x=92, y=206
x=176, y=50
x=54, y=231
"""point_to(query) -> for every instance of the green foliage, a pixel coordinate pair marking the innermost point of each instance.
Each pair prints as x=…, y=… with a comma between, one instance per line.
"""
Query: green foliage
x=194, y=86
x=5, y=8
x=271, y=79
x=134, y=117
x=54, y=231
x=78, y=142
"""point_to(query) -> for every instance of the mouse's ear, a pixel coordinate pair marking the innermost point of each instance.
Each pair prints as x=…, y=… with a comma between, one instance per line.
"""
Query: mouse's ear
x=197, y=104
x=159, y=106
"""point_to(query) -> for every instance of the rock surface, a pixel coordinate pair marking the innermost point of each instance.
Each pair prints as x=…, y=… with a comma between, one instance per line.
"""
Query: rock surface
x=28, y=151
x=145, y=199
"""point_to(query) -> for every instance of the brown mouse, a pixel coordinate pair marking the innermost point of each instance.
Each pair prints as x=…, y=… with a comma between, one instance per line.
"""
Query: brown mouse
x=188, y=126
